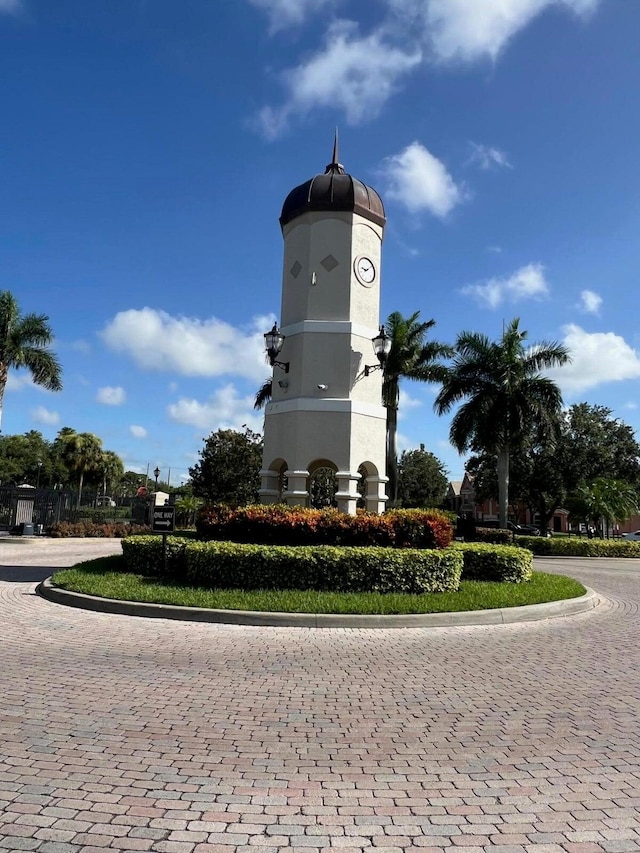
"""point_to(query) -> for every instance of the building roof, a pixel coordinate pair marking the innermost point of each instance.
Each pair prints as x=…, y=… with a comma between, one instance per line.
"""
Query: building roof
x=333, y=190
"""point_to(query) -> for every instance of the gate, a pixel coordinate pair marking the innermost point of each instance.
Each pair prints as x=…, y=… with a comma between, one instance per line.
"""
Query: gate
x=27, y=505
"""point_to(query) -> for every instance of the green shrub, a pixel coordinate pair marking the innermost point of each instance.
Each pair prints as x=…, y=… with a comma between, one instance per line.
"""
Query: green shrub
x=231, y=565
x=493, y=535
x=573, y=547
x=504, y=563
x=282, y=525
x=142, y=555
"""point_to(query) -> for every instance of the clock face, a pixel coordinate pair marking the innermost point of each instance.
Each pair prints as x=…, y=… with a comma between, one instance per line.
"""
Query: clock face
x=365, y=270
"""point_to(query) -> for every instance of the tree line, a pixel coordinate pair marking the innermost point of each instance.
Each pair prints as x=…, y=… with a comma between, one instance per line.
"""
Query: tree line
x=72, y=459
x=508, y=414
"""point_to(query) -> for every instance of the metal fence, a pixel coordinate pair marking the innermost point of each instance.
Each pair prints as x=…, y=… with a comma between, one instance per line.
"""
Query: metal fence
x=43, y=507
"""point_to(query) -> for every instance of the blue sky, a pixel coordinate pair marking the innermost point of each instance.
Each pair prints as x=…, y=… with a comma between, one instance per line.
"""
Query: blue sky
x=146, y=147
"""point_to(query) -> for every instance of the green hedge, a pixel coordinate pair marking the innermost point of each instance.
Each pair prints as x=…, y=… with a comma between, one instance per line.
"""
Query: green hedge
x=493, y=535
x=229, y=565
x=505, y=563
x=143, y=555
x=570, y=547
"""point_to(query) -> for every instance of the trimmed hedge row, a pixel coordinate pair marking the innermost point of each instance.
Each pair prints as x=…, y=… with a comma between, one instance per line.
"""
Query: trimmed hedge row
x=505, y=563
x=561, y=547
x=231, y=565
x=493, y=535
x=283, y=525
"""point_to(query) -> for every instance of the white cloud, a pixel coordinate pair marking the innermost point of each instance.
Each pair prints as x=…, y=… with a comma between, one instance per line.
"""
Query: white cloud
x=137, y=431
x=43, y=416
x=188, y=346
x=10, y=7
x=111, y=396
x=406, y=402
x=225, y=409
x=18, y=381
x=526, y=283
x=290, y=13
x=403, y=442
x=590, y=302
x=597, y=358
x=630, y=405
x=357, y=74
x=420, y=181
x=487, y=157
x=468, y=30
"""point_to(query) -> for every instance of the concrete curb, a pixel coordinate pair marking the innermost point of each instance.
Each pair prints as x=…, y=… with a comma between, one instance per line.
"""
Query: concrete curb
x=499, y=616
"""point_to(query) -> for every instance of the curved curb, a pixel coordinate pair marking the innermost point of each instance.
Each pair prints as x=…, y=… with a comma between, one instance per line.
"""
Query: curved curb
x=498, y=616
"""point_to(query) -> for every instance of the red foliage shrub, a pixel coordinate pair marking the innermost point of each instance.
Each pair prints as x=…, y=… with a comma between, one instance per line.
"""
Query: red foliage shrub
x=282, y=525
x=420, y=528
x=113, y=530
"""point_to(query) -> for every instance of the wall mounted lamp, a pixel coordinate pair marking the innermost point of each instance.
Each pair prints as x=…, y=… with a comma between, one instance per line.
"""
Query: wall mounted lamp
x=382, y=348
x=273, y=341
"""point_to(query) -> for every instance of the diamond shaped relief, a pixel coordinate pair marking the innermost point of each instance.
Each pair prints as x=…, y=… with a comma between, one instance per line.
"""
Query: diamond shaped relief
x=329, y=263
x=296, y=269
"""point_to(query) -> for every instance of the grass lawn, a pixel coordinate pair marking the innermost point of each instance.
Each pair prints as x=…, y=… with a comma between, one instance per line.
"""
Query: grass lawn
x=104, y=577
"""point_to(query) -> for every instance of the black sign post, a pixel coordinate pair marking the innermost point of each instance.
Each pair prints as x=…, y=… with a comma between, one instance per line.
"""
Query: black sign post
x=163, y=520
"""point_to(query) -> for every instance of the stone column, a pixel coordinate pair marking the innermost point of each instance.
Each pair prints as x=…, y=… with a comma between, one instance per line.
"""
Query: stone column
x=347, y=495
x=270, y=490
x=375, y=497
x=297, y=493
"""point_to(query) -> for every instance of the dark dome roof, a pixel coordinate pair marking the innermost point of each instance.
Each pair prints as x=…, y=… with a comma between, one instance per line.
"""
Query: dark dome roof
x=335, y=190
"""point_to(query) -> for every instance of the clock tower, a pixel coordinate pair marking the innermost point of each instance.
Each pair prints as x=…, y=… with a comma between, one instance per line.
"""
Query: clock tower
x=326, y=406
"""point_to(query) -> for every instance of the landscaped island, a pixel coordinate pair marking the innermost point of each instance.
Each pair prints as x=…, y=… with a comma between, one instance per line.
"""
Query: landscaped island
x=398, y=563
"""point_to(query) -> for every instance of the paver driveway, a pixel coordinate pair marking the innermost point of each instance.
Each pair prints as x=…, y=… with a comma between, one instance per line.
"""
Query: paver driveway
x=134, y=734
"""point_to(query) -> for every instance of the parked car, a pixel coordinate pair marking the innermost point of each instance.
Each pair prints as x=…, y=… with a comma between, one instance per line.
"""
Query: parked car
x=105, y=500
x=523, y=529
x=635, y=536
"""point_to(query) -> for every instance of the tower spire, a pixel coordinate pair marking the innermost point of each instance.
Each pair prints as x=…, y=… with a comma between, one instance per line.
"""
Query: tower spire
x=335, y=166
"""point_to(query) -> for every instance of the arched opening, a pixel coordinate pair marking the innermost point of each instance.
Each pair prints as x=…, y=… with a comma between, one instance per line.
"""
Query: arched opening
x=274, y=482
x=323, y=484
x=281, y=467
x=371, y=488
x=362, y=486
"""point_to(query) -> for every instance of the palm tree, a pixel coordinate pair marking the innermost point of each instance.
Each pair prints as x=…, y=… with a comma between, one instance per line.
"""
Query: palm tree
x=186, y=509
x=263, y=394
x=504, y=396
x=23, y=343
x=410, y=357
x=81, y=452
x=605, y=501
x=110, y=468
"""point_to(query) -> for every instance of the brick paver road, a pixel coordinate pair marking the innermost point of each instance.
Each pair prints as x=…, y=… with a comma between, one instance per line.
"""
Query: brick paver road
x=134, y=734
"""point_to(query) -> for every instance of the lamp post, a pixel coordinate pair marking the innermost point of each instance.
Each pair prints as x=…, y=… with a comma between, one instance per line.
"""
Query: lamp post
x=39, y=469
x=156, y=474
x=382, y=348
x=273, y=341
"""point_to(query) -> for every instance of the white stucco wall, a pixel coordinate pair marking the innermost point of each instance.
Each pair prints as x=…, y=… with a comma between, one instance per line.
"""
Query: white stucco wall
x=324, y=407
